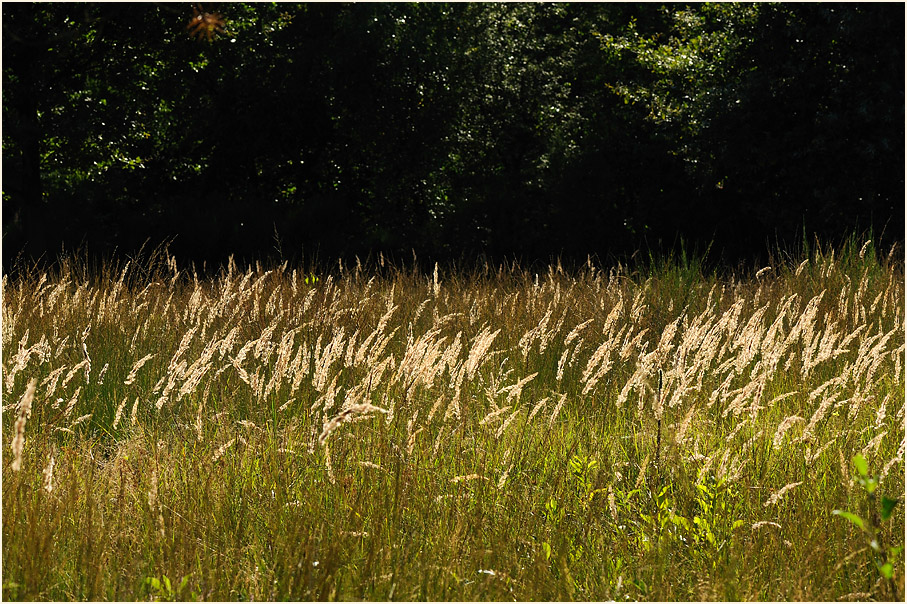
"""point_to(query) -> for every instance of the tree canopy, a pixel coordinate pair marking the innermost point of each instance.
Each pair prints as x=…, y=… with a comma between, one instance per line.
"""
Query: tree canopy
x=450, y=129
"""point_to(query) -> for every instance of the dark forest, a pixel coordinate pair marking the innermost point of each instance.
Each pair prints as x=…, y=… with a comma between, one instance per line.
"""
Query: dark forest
x=454, y=131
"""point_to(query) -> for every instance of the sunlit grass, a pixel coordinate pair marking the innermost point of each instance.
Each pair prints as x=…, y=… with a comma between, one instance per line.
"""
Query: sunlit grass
x=377, y=433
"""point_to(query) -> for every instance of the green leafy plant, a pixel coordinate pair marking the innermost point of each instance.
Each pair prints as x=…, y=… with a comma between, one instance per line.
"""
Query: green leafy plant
x=710, y=529
x=567, y=515
x=11, y=590
x=879, y=511
x=665, y=525
x=553, y=512
x=581, y=469
x=715, y=524
x=163, y=589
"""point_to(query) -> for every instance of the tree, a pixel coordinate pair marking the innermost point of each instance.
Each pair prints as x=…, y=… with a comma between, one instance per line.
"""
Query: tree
x=788, y=117
x=528, y=129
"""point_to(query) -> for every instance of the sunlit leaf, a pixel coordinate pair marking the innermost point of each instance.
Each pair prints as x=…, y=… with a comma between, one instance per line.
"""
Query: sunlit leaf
x=851, y=517
x=870, y=484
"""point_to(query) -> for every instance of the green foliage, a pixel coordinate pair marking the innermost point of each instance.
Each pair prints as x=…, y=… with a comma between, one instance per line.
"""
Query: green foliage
x=885, y=559
x=449, y=128
x=581, y=469
x=853, y=518
x=162, y=588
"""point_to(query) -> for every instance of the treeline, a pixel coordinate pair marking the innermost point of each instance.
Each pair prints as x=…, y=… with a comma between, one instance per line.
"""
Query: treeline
x=525, y=130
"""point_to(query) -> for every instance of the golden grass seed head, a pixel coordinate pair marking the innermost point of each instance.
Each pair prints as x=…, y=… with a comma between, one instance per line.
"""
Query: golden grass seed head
x=135, y=368
x=48, y=474
x=783, y=427
x=557, y=409
x=467, y=477
x=777, y=495
x=872, y=447
x=119, y=412
x=25, y=405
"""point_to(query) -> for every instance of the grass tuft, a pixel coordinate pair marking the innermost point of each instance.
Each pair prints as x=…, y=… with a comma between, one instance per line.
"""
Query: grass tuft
x=377, y=433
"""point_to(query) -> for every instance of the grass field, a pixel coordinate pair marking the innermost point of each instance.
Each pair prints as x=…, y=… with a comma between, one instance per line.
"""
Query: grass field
x=495, y=434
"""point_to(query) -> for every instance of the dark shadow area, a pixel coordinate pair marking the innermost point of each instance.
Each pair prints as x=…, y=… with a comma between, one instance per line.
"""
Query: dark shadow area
x=455, y=132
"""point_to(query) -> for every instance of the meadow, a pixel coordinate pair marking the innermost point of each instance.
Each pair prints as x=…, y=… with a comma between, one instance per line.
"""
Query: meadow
x=382, y=433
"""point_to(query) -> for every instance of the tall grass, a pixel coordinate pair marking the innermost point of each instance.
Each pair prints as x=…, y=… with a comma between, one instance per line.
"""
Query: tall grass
x=494, y=434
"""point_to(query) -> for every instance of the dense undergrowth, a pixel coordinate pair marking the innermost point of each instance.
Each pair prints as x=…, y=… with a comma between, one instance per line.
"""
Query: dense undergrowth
x=377, y=433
